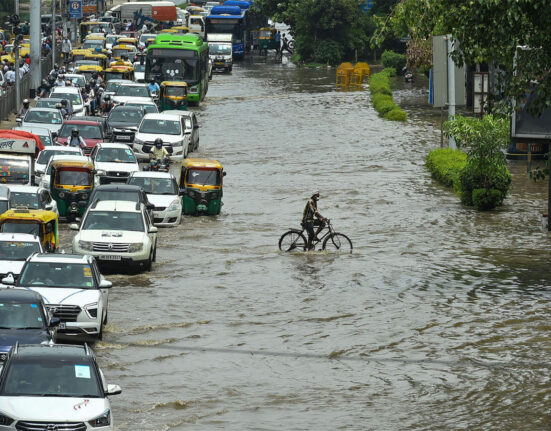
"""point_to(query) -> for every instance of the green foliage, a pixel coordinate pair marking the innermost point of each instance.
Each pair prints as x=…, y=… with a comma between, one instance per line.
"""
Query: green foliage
x=484, y=140
x=382, y=103
x=487, y=199
x=389, y=71
x=488, y=31
x=380, y=83
x=396, y=114
x=183, y=5
x=446, y=165
x=329, y=51
x=394, y=60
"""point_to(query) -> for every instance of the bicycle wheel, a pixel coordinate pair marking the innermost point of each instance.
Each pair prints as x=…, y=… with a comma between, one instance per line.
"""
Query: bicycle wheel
x=292, y=240
x=338, y=242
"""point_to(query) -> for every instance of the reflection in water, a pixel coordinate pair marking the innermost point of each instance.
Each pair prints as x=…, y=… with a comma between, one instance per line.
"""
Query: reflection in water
x=438, y=320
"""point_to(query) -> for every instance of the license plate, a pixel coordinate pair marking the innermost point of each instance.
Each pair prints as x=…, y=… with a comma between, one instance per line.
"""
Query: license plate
x=110, y=257
x=219, y=64
x=124, y=138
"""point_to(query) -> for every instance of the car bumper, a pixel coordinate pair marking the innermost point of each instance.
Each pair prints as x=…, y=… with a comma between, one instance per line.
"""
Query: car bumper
x=109, y=179
x=167, y=218
x=134, y=259
x=79, y=329
x=177, y=152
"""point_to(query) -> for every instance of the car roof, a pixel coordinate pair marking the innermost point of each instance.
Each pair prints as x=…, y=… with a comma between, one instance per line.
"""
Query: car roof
x=53, y=350
x=135, y=107
x=180, y=113
x=140, y=103
x=151, y=174
x=66, y=90
x=44, y=110
x=24, y=189
x=81, y=122
x=113, y=145
x=121, y=81
x=54, y=99
x=118, y=188
x=133, y=84
x=69, y=157
x=21, y=237
x=74, y=75
x=60, y=148
x=33, y=128
x=161, y=116
x=59, y=258
x=121, y=206
x=19, y=295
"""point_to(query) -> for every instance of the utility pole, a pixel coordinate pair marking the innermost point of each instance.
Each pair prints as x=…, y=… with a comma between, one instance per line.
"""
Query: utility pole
x=17, y=7
x=54, y=33
x=35, y=34
x=451, y=87
x=17, y=78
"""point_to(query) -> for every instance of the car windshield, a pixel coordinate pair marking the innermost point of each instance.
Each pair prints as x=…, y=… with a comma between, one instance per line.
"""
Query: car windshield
x=157, y=186
x=145, y=36
x=47, y=102
x=175, y=91
x=115, y=155
x=57, y=274
x=20, y=227
x=53, y=377
x=45, y=155
x=116, y=195
x=45, y=117
x=218, y=49
x=86, y=131
x=73, y=178
x=149, y=108
x=114, y=220
x=92, y=44
x=139, y=67
x=17, y=250
x=112, y=86
x=133, y=91
x=123, y=115
x=164, y=127
x=110, y=40
x=206, y=177
x=73, y=97
x=77, y=81
x=4, y=206
x=14, y=315
x=14, y=171
x=24, y=200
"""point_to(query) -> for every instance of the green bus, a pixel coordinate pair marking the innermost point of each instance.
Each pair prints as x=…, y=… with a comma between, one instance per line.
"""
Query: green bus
x=180, y=57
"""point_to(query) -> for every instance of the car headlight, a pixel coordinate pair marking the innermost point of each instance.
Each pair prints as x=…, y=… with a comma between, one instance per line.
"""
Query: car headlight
x=175, y=205
x=100, y=172
x=177, y=144
x=5, y=420
x=135, y=247
x=194, y=90
x=92, y=310
x=138, y=141
x=86, y=245
x=101, y=421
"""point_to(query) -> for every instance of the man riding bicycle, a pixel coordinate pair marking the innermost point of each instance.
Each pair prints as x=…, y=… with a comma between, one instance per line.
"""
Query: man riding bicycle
x=308, y=222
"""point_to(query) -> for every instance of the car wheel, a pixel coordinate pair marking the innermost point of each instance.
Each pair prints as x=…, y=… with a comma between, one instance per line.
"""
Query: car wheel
x=105, y=319
x=100, y=333
x=149, y=263
x=197, y=145
x=155, y=254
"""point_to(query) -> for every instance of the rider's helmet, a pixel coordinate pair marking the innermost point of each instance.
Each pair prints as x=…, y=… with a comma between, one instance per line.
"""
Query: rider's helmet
x=316, y=195
x=107, y=98
x=58, y=105
x=26, y=103
x=152, y=81
x=64, y=102
x=56, y=66
x=68, y=83
x=92, y=82
x=95, y=75
x=158, y=143
x=74, y=132
x=87, y=87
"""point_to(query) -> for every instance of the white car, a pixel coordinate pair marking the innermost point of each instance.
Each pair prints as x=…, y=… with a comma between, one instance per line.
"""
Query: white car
x=46, y=154
x=148, y=107
x=170, y=128
x=75, y=96
x=111, y=40
x=113, y=162
x=46, y=137
x=139, y=71
x=33, y=198
x=134, y=92
x=45, y=178
x=73, y=290
x=162, y=191
x=47, y=118
x=77, y=79
x=15, y=248
x=119, y=232
x=192, y=127
x=54, y=387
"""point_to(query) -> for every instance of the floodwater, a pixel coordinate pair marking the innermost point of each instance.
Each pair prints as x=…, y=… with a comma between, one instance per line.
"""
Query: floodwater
x=439, y=320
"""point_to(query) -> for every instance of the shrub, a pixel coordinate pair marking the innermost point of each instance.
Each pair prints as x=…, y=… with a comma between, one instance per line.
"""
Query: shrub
x=446, y=165
x=379, y=83
x=487, y=199
x=472, y=178
x=396, y=114
x=329, y=51
x=389, y=71
x=383, y=103
x=393, y=59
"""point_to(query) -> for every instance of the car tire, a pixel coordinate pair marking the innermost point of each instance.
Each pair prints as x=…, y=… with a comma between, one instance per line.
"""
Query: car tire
x=149, y=263
x=197, y=146
x=100, y=333
x=155, y=254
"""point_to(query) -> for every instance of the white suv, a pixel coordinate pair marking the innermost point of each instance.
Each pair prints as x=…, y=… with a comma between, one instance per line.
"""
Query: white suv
x=117, y=232
x=113, y=162
x=170, y=128
x=73, y=290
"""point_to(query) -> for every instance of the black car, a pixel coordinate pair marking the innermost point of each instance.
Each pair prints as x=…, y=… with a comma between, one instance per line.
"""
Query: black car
x=123, y=122
x=122, y=192
x=24, y=319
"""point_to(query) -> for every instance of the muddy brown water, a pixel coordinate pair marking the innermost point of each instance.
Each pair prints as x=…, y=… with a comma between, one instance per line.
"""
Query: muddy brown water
x=438, y=320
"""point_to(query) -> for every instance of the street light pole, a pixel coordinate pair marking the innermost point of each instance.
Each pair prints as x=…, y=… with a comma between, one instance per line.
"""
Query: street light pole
x=54, y=26
x=451, y=87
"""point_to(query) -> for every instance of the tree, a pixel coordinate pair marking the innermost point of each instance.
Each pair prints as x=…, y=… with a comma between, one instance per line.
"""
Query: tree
x=488, y=31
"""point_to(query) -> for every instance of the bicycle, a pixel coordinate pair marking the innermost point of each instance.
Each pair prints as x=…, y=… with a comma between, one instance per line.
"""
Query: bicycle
x=294, y=239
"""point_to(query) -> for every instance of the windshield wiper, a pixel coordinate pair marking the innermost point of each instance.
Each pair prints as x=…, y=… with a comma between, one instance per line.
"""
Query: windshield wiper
x=30, y=327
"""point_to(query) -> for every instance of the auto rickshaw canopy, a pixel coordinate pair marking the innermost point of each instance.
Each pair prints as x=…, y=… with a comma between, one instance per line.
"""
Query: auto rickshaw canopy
x=180, y=29
x=267, y=33
x=191, y=164
x=127, y=41
x=72, y=165
x=42, y=223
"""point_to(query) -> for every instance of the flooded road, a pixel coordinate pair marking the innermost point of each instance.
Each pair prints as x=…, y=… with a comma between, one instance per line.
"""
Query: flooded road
x=438, y=320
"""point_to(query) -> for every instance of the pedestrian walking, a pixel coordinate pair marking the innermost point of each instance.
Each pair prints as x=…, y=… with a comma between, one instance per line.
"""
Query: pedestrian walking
x=66, y=48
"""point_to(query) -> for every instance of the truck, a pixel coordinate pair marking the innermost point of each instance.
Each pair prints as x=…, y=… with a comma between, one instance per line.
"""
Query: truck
x=158, y=10
x=220, y=51
x=17, y=152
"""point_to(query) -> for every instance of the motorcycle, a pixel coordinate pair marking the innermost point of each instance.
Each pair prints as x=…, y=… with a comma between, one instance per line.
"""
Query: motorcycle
x=156, y=165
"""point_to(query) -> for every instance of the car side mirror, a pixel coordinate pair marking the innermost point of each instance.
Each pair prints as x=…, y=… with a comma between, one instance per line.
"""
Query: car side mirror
x=105, y=284
x=54, y=321
x=113, y=390
x=153, y=229
x=49, y=206
x=9, y=279
x=150, y=206
x=54, y=135
x=73, y=226
x=181, y=192
x=224, y=173
x=196, y=126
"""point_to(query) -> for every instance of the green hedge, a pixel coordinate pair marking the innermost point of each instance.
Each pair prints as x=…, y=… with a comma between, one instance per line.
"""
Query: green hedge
x=381, y=96
x=394, y=60
x=446, y=165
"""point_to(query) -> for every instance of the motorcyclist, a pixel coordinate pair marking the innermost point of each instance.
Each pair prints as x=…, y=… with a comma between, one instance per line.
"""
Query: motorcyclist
x=62, y=110
x=153, y=87
x=44, y=88
x=24, y=109
x=97, y=78
x=75, y=140
x=159, y=154
x=92, y=96
x=55, y=70
x=59, y=82
x=65, y=105
x=107, y=104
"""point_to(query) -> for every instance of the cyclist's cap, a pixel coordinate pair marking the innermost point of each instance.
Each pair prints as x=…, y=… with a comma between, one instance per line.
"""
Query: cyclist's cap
x=317, y=194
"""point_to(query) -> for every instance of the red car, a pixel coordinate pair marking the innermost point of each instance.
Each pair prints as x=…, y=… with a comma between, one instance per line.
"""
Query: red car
x=91, y=131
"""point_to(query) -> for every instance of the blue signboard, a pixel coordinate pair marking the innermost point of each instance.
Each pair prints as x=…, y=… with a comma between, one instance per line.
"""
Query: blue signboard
x=75, y=9
x=366, y=5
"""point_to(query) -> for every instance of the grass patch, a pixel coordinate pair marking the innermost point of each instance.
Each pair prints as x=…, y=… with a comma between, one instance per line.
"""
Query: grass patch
x=381, y=96
x=446, y=165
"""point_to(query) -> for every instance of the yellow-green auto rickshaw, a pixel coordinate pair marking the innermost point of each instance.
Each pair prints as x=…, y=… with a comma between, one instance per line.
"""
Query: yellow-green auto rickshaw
x=71, y=184
x=266, y=39
x=88, y=71
x=201, y=186
x=173, y=95
x=41, y=223
x=119, y=72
